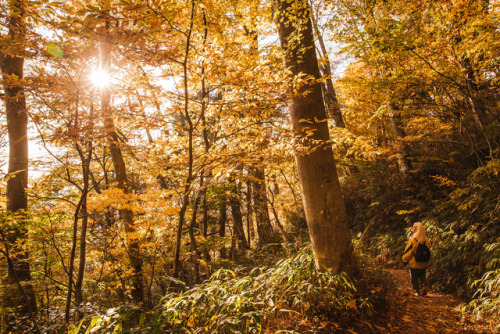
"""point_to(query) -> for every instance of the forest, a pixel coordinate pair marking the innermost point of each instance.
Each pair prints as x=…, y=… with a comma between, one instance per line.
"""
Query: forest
x=242, y=166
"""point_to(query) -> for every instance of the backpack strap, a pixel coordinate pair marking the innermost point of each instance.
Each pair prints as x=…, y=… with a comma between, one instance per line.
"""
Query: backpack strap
x=414, y=250
x=418, y=242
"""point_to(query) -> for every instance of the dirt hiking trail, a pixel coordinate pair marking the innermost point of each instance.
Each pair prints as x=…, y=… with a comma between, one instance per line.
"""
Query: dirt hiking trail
x=434, y=313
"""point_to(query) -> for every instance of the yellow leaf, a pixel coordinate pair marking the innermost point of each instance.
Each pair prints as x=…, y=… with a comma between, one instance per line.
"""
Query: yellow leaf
x=407, y=318
x=352, y=304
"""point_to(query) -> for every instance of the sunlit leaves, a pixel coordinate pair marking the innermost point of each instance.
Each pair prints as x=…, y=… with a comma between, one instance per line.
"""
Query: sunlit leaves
x=55, y=50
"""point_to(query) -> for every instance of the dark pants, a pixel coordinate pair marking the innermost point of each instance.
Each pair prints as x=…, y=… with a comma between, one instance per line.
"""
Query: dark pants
x=417, y=278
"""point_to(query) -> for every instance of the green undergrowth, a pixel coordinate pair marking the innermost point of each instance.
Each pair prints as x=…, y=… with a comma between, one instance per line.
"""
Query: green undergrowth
x=467, y=227
x=464, y=230
x=265, y=299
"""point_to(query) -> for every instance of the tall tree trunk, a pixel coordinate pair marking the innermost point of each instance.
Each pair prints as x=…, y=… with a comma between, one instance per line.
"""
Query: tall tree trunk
x=204, y=225
x=74, y=241
x=235, y=203
x=264, y=227
x=83, y=230
x=121, y=177
x=222, y=225
x=178, y=237
x=191, y=125
x=250, y=210
x=206, y=134
x=320, y=187
x=398, y=134
x=12, y=66
x=192, y=244
x=80, y=212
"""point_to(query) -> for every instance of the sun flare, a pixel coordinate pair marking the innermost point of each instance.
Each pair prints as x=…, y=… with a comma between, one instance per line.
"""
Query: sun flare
x=100, y=78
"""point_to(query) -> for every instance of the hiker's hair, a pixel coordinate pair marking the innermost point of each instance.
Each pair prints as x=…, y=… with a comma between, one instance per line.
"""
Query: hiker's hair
x=419, y=233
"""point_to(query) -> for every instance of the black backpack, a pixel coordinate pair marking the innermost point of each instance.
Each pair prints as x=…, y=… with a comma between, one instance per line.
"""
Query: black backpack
x=422, y=253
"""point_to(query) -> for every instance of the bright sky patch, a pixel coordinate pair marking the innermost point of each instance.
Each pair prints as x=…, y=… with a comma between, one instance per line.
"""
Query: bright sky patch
x=100, y=78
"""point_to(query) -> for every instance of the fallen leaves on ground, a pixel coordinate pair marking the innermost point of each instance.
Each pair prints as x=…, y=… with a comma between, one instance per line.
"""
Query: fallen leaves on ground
x=405, y=313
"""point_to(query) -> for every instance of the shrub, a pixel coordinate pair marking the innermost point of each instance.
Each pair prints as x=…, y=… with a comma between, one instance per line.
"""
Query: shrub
x=228, y=303
x=263, y=299
x=487, y=297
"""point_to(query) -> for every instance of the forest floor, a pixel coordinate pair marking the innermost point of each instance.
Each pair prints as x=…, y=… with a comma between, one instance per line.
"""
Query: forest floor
x=434, y=313
x=403, y=313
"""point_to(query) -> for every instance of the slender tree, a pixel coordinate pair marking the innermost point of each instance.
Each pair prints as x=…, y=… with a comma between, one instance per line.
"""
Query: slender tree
x=121, y=176
x=190, y=129
x=329, y=94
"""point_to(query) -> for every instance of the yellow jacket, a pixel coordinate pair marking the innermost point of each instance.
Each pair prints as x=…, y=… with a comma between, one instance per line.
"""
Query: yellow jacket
x=409, y=257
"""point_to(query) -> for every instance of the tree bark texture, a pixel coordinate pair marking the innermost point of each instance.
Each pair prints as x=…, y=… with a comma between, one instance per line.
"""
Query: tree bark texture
x=320, y=187
x=12, y=66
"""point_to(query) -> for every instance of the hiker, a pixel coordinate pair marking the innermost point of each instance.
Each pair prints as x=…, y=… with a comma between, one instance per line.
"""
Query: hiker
x=416, y=256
